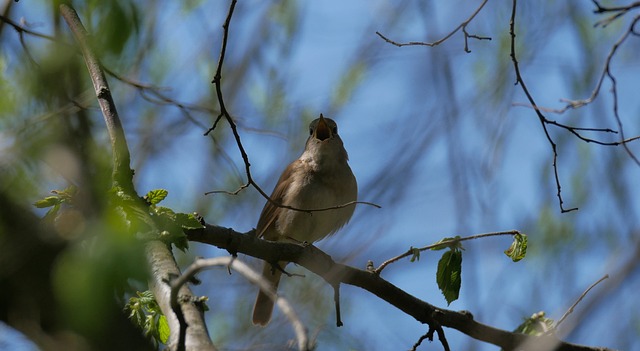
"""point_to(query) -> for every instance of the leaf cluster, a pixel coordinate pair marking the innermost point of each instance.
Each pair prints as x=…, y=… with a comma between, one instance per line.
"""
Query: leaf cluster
x=145, y=313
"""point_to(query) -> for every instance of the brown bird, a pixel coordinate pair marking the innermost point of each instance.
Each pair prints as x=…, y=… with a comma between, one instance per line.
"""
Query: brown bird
x=319, y=178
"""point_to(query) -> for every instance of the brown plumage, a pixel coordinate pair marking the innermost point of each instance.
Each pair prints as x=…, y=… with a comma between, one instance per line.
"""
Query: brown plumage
x=319, y=178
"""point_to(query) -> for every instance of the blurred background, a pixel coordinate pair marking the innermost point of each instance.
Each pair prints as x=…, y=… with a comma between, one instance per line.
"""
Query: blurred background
x=435, y=135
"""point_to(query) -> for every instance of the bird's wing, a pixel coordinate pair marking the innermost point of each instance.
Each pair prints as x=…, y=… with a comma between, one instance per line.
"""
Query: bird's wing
x=270, y=212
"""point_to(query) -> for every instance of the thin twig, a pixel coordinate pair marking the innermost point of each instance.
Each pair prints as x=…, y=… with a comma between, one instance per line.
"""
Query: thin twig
x=614, y=93
x=253, y=277
x=570, y=310
x=462, y=26
x=22, y=29
x=428, y=335
x=541, y=117
x=619, y=12
x=444, y=243
x=575, y=104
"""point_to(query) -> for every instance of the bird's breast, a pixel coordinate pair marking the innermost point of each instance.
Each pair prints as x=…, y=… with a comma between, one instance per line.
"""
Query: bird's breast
x=314, y=190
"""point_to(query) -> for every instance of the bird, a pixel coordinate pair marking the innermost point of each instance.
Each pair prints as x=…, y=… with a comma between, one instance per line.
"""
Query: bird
x=319, y=178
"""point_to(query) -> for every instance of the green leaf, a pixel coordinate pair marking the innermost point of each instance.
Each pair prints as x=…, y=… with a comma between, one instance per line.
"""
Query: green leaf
x=188, y=221
x=155, y=196
x=449, y=275
x=518, y=248
x=146, y=314
x=163, y=329
x=48, y=202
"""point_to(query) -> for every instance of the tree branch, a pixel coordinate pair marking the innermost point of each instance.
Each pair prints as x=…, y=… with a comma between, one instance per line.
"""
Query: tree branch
x=541, y=117
x=122, y=173
x=159, y=257
x=163, y=267
x=462, y=26
x=332, y=272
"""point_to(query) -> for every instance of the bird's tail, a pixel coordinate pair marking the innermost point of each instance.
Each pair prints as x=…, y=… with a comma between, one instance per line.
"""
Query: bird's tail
x=263, y=308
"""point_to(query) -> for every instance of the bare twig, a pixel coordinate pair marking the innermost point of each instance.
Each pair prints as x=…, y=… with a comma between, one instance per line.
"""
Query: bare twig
x=570, y=310
x=429, y=336
x=22, y=29
x=444, y=243
x=253, y=277
x=619, y=11
x=541, y=117
x=575, y=104
x=606, y=73
x=614, y=93
x=462, y=26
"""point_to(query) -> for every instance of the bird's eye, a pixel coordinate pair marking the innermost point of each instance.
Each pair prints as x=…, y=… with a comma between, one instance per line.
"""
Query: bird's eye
x=310, y=131
x=334, y=130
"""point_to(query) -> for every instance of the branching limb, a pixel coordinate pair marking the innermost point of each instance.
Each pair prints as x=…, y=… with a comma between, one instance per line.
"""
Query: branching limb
x=541, y=117
x=252, y=276
x=606, y=73
x=575, y=104
x=618, y=11
x=462, y=26
x=429, y=336
x=323, y=265
x=453, y=241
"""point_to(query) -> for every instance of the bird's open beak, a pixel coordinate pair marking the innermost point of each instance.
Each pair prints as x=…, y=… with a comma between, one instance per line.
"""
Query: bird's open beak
x=322, y=131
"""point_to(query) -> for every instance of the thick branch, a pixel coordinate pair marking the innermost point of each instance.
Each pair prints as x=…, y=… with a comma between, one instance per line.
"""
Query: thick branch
x=323, y=265
x=163, y=267
x=159, y=257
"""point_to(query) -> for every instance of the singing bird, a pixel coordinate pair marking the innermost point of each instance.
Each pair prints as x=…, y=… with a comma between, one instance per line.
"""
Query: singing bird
x=319, y=178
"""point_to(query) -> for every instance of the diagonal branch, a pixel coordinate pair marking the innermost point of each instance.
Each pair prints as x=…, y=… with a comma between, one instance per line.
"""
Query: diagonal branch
x=122, y=173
